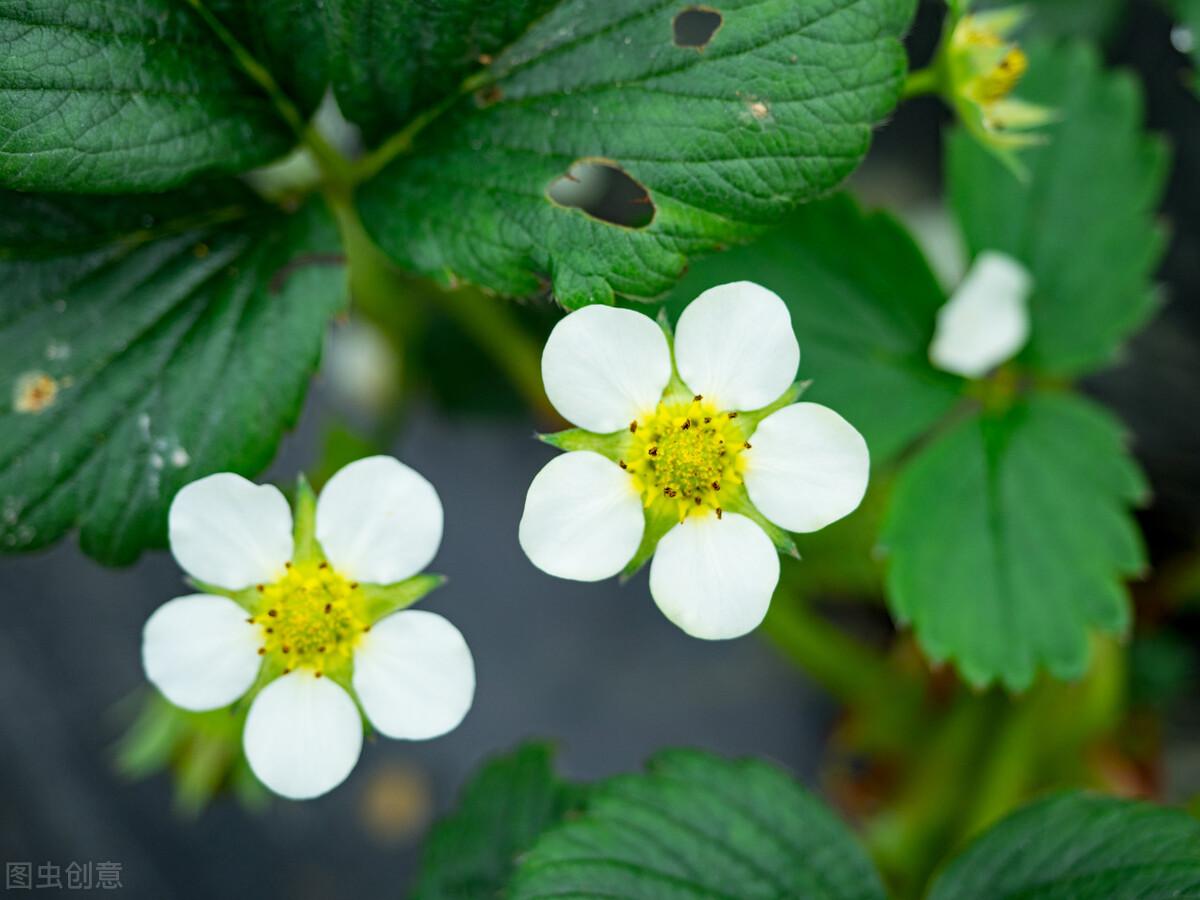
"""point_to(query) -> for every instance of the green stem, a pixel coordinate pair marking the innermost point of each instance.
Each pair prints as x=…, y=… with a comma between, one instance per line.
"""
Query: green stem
x=850, y=671
x=338, y=171
x=489, y=322
x=1004, y=775
x=919, y=828
x=375, y=283
x=252, y=67
x=335, y=167
x=402, y=141
x=922, y=82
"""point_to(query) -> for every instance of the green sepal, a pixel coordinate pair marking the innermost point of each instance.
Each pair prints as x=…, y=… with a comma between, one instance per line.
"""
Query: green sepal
x=738, y=501
x=149, y=742
x=611, y=446
x=246, y=598
x=659, y=521
x=385, y=599
x=752, y=419
x=304, y=515
x=202, y=750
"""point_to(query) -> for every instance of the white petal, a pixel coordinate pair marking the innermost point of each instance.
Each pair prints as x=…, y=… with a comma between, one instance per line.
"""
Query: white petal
x=807, y=467
x=303, y=735
x=230, y=532
x=986, y=322
x=714, y=577
x=200, y=651
x=379, y=521
x=604, y=367
x=735, y=345
x=583, y=518
x=414, y=675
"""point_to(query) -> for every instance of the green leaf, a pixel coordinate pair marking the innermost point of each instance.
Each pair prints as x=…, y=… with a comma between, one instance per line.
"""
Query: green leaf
x=1083, y=221
x=395, y=59
x=385, y=599
x=1008, y=536
x=145, y=342
x=864, y=329
x=698, y=826
x=471, y=853
x=776, y=109
x=100, y=96
x=288, y=38
x=1082, y=847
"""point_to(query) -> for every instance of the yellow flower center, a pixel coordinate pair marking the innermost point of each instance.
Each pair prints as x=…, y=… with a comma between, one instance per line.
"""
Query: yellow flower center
x=998, y=82
x=684, y=453
x=311, y=618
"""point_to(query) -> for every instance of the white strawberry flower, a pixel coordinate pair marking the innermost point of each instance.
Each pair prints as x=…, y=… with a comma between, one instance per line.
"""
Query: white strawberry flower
x=303, y=620
x=986, y=321
x=695, y=454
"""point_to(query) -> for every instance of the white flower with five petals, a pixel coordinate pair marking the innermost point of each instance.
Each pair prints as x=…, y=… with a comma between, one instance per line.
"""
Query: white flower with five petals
x=695, y=454
x=303, y=619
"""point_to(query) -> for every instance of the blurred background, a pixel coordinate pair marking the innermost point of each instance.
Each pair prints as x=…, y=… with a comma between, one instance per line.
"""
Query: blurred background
x=596, y=668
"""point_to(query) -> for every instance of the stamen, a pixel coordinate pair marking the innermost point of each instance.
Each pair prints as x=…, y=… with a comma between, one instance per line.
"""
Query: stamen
x=315, y=618
x=684, y=454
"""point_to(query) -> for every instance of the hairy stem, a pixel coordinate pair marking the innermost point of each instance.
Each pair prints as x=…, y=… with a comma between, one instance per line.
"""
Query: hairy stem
x=922, y=82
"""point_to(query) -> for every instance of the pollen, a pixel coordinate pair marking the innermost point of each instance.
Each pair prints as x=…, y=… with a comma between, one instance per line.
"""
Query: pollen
x=683, y=455
x=311, y=618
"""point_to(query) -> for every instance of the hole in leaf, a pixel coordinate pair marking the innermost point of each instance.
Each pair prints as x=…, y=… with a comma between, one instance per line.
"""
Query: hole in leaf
x=695, y=27
x=603, y=191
